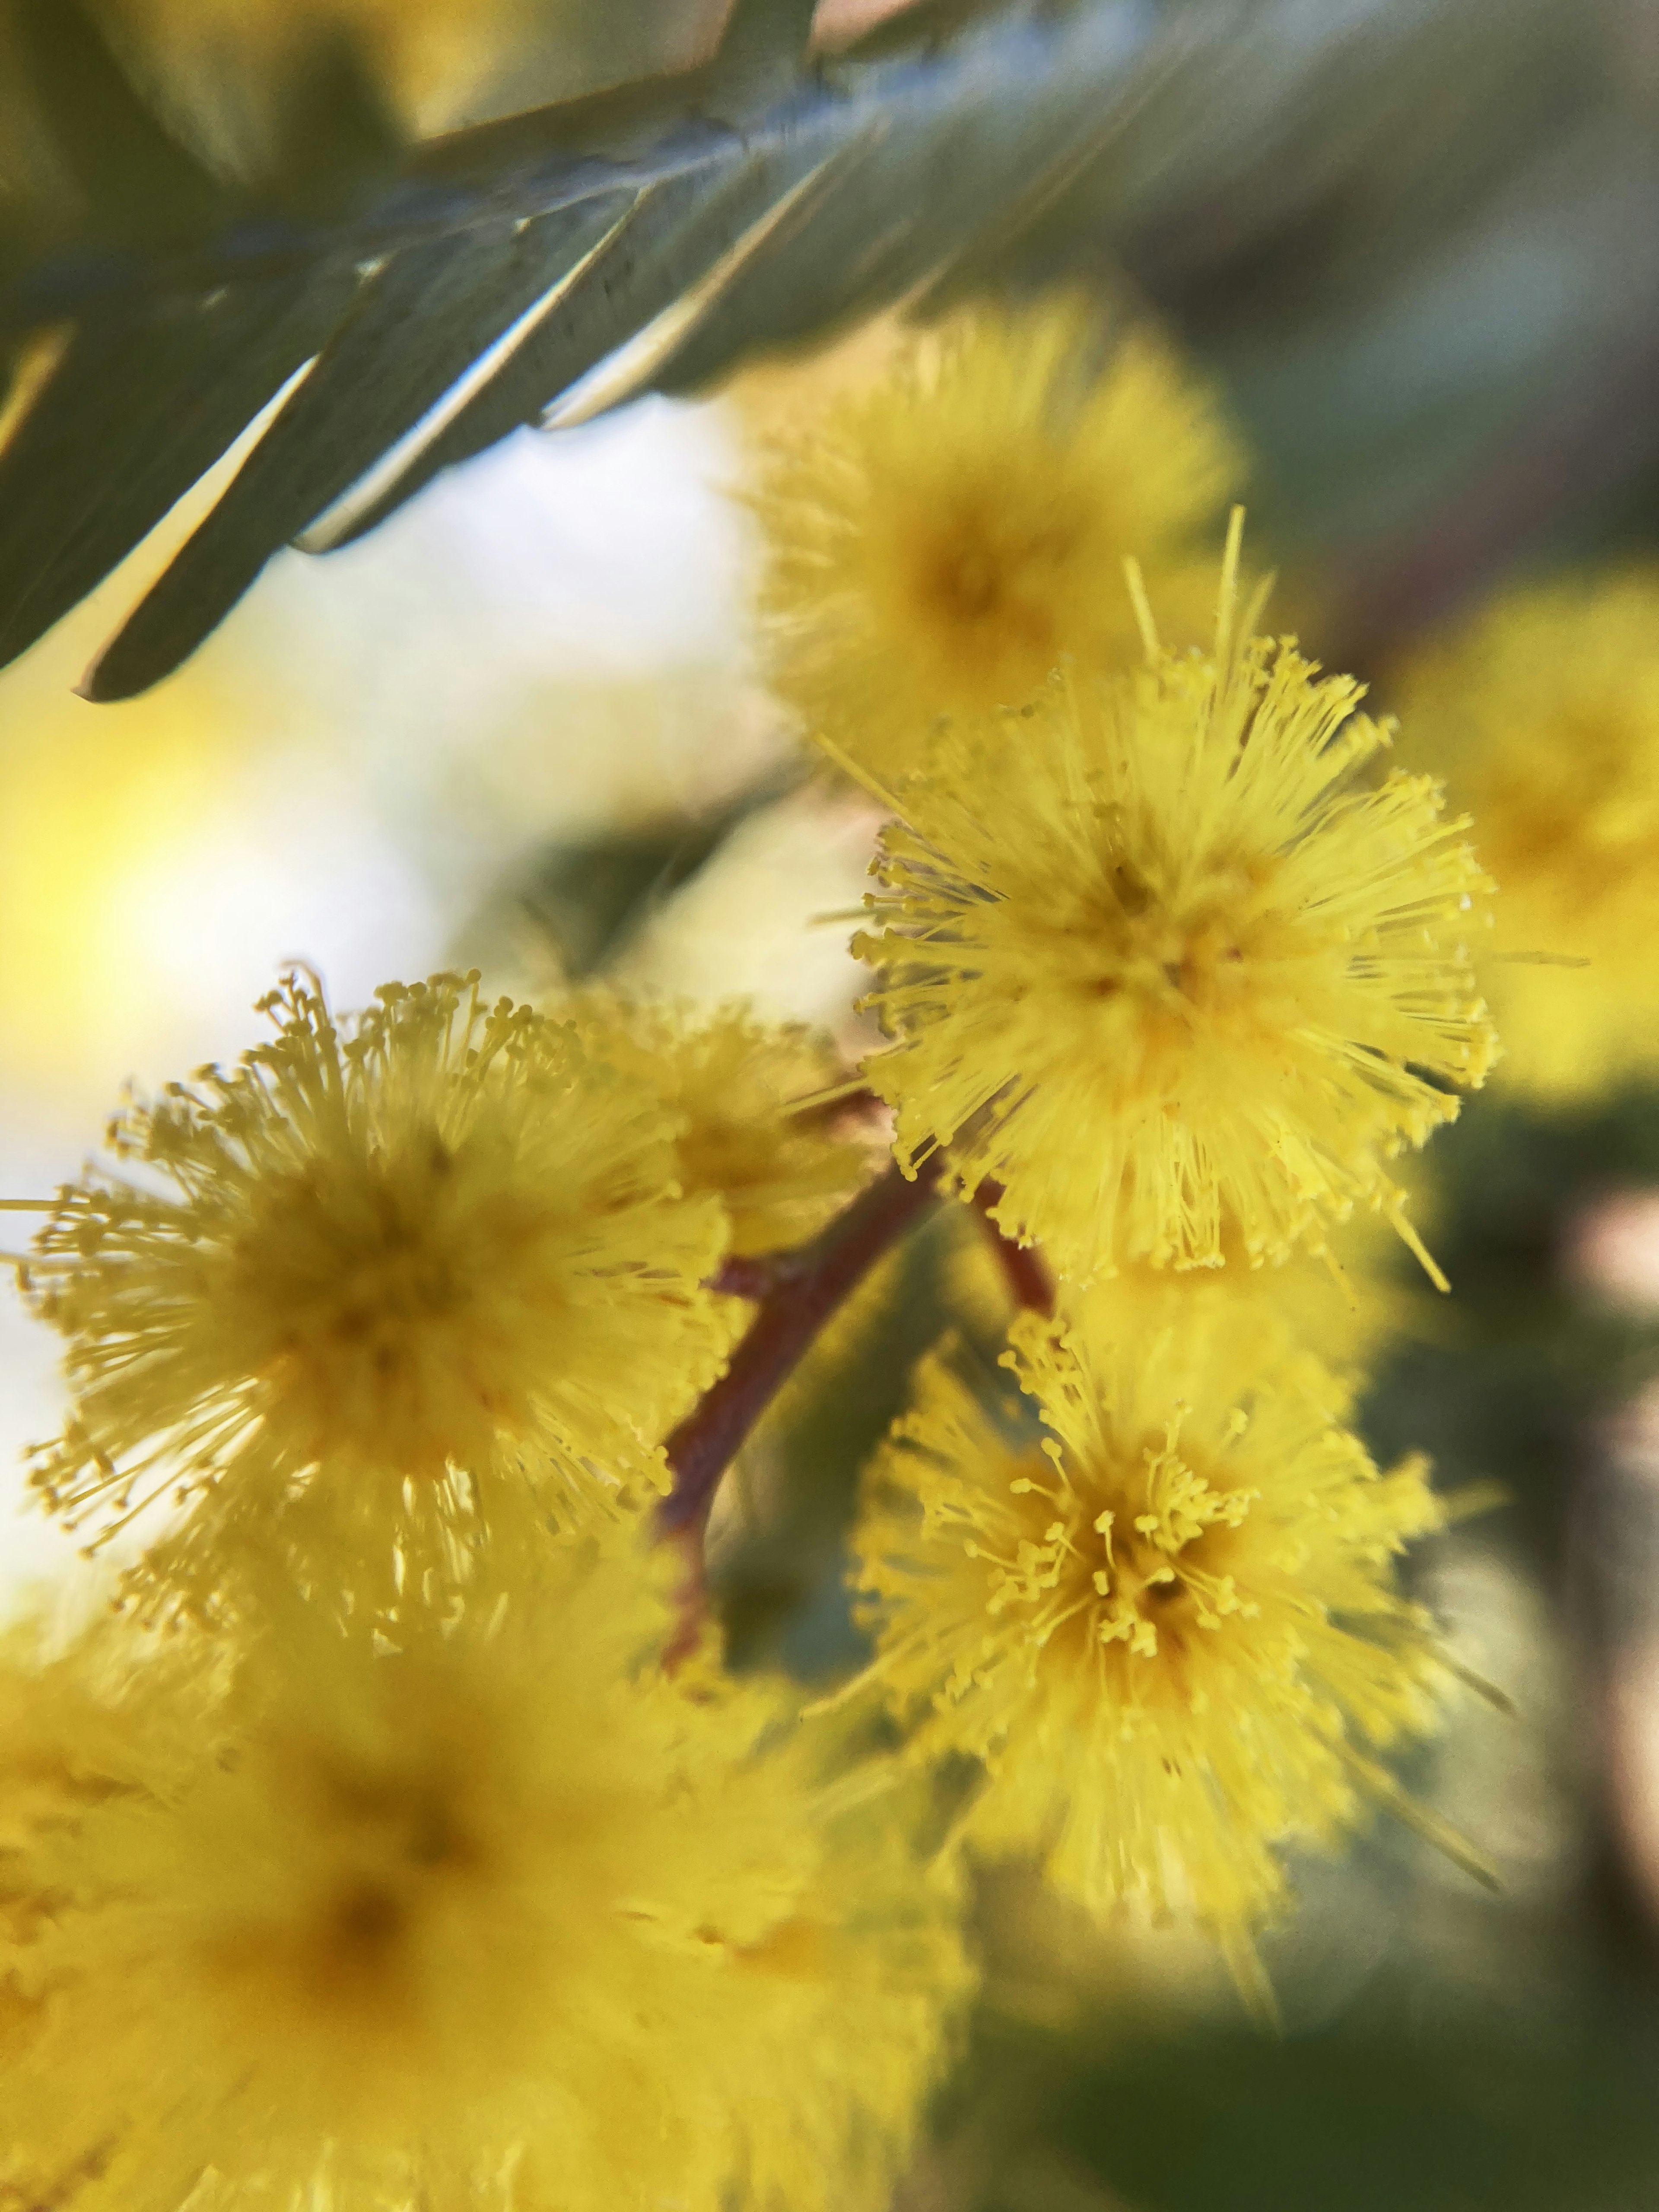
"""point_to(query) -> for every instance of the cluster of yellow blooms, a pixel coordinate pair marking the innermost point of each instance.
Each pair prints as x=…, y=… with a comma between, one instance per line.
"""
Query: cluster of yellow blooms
x=401, y=1866
x=401, y=1836
x=1172, y=968
x=486, y=1911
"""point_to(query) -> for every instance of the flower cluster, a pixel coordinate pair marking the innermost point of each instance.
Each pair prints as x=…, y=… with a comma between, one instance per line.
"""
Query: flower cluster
x=427, y=1856
x=408, y=1841
x=1172, y=968
x=495, y=1914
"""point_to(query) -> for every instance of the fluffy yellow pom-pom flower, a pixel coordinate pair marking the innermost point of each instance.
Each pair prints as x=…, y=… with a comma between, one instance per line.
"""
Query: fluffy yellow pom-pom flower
x=1343, y=1309
x=498, y=1916
x=1158, y=960
x=1543, y=715
x=936, y=542
x=1171, y=1629
x=383, y=1284
x=735, y=1081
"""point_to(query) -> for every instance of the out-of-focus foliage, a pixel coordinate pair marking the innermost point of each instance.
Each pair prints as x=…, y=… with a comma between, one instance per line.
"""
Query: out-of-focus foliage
x=222, y=71
x=1137, y=2110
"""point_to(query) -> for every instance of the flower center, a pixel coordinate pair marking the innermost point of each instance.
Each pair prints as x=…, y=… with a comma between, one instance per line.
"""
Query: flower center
x=384, y=1848
x=1140, y=948
x=354, y=1256
x=1216, y=954
x=988, y=581
x=374, y=1299
x=1145, y=1571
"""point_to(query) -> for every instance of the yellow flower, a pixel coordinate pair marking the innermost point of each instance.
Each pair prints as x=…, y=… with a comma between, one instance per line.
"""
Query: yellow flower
x=1169, y=1629
x=383, y=1285
x=734, y=1082
x=936, y=542
x=1158, y=960
x=499, y=1914
x=1542, y=713
x=1341, y=1308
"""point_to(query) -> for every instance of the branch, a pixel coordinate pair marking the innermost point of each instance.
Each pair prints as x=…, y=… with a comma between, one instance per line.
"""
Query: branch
x=1030, y=1283
x=801, y=1291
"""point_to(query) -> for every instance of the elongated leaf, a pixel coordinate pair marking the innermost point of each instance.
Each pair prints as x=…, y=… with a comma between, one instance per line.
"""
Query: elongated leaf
x=629, y=134
x=135, y=181
x=679, y=230
x=580, y=325
x=310, y=457
x=737, y=235
x=982, y=139
x=953, y=176
x=133, y=415
x=636, y=366
x=419, y=324
x=431, y=316
x=590, y=899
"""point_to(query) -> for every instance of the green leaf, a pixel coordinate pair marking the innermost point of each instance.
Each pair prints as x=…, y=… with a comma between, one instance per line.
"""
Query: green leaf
x=590, y=899
x=676, y=231
x=134, y=182
x=690, y=220
x=418, y=324
x=136, y=411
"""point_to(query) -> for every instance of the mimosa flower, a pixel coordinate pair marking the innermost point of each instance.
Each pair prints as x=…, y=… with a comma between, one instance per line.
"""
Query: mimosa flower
x=1542, y=713
x=1156, y=957
x=937, y=541
x=396, y=1277
x=494, y=1914
x=1170, y=1627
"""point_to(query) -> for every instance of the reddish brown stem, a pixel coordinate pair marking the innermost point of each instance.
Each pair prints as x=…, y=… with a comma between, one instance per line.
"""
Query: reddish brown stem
x=803, y=1289
x=750, y=1274
x=1026, y=1271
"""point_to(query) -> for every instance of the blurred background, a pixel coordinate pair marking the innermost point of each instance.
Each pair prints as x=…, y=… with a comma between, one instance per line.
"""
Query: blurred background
x=1416, y=243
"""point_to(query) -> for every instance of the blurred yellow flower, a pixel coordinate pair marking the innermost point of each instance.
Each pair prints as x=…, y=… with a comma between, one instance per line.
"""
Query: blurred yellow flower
x=734, y=1082
x=495, y=1914
x=1154, y=957
x=395, y=1278
x=1542, y=713
x=1342, y=1306
x=1171, y=1629
x=935, y=541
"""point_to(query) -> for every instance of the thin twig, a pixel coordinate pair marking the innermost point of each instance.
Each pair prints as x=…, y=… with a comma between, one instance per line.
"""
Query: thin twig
x=804, y=1289
x=1031, y=1284
x=750, y=1274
